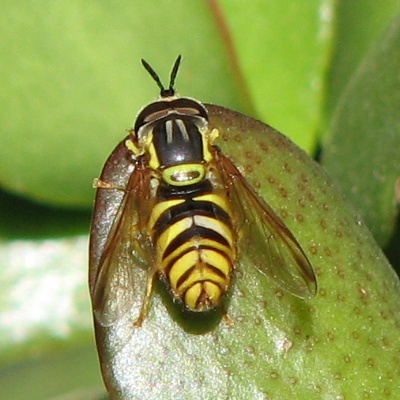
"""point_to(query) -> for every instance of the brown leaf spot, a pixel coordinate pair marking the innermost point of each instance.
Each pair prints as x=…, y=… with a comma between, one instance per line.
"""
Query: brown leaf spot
x=300, y=217
x=347, y=359
x=283, y=192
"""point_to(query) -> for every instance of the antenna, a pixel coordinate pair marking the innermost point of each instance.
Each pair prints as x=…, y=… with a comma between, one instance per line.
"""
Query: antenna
x=164, y=92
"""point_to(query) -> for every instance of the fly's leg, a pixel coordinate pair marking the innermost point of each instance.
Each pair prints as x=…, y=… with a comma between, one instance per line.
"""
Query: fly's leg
x=99, y=184
x=147, y=297
x=228, y=321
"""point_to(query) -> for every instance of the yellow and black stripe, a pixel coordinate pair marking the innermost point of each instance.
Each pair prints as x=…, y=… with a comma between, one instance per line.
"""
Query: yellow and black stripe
x=192, y=231
x=191, y=222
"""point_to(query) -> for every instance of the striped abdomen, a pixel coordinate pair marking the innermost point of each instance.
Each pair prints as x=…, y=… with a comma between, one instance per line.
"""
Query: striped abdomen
x=195, y=243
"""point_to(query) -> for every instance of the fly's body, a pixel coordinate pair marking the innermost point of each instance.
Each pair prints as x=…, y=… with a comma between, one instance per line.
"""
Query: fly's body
x=190, y=223
x=195, y=242
x=186, y=213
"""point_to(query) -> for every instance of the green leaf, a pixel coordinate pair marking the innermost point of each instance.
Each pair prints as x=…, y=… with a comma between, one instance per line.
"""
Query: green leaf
x=358, y=24
x=344, y=343
x=64, y=375
x=362, y=152
x=282, y=50
x=72, y=81
x=45, y=319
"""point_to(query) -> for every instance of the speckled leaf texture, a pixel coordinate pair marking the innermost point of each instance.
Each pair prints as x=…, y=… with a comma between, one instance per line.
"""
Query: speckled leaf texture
x=341, y=344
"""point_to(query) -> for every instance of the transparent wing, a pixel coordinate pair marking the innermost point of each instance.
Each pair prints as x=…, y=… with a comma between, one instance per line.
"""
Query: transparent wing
x=127, y=251
x=264, y=239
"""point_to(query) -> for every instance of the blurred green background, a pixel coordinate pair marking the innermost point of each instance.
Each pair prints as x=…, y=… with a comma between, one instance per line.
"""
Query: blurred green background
x=323, y=72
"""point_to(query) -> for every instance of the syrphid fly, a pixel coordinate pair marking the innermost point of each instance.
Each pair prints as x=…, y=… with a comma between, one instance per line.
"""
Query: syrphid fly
x=170, y=202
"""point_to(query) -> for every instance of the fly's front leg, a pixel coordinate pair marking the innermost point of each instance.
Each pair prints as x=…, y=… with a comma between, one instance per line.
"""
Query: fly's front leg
x=99, y=184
